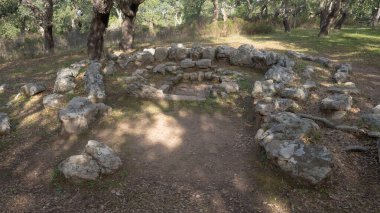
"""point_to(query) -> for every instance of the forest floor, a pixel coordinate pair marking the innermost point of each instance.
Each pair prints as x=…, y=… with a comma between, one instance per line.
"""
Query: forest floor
x=186, y=156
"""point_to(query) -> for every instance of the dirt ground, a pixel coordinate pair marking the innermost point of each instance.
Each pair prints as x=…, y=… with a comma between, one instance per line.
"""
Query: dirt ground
x=177, y=157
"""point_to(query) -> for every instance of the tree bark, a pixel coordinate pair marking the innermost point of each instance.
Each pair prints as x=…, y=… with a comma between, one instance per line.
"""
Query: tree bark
x=341, y=21
x=98, y=27
x=47, y=24
x=129, y=9
x=285, y=20
x=215, y=16
x=328, y=14
x=375, y=17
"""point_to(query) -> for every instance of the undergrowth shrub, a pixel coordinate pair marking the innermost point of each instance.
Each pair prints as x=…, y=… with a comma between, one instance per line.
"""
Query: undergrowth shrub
x=258, y=28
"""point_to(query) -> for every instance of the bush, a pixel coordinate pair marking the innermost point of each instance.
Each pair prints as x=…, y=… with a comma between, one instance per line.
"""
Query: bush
x=258, y=28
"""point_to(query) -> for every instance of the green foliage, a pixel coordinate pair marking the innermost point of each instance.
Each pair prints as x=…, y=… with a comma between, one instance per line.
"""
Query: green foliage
x=8, y=30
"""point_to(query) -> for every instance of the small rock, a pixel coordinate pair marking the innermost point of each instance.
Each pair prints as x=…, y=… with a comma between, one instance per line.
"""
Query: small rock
x=373, y=120
x=230, y=87
x=309, y=85
x=150, y=50
x=209, y=53
x=223, y=51
x=307, y=73
x=3, y=87
x=187, y=63
x=268, y=105
x=280, y=74
x=340, y=77
x=31, y=89
x=338, y=115
x=109, y=68
x=161, y=53
x=54, y=101
x=5, y=126
x=376, y=109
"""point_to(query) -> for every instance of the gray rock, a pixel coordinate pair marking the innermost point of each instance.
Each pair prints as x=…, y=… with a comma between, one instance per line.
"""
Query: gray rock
x=178, y=52
x=141, y=72
x=267, y=106
x=223, y=51
x=230, y=87
x=94, y=82
x=142, y=90
x=345, y=88
x=31, y=89
x=79, y=167
x=242, y=56
x=309, y=85
x=142, y=58
x=308, y=72
x=337, y=102
x=340, y=77
x=3, y=87
x=264, y=89
x=5, y=126
x=323, y=61
x=338, y=115
x=187, y=63
x=376, y=109
x=80, y=114
x=209, y=53
x=152, y=51
x=267, y=59
x=54, y=101
x=160, y=68
x=79, y=65
x=203, y=63
x=294, y=93
x=196, y=52
x=109, y=68
x=161, y=53
x=373, y=120
x=282, y=139
x=345, y=67
x=201, y=76
x=65, y=81
x=106, y=158
x=280, y=74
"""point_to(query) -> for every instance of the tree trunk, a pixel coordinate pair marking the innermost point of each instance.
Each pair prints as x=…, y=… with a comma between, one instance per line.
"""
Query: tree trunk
x=95, y=38
x=341, y=21
x=216, y=11
x=127, y=27
x=47, y=24
x=375, y=17
x=328, y=14
x=285, y=20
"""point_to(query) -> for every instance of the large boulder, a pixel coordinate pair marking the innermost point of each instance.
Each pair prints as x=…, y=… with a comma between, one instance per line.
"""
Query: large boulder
x=108, y=161
x=203, y=63
x=80, y=114
x=264, y=89
x=267, y=59
x=31, y=89
x=294, y=93
x=5, y=126
x=372, y=120
x=161, y=53
x=223, y=51
x=54, y=101
x=96, y=159
x=337, y=102
x=282, y=139
x=280, y=74
x=94, y=82
x=65, y=81
x=209, y=53
x=243, y=56
x=79, y=167
x=178, y=52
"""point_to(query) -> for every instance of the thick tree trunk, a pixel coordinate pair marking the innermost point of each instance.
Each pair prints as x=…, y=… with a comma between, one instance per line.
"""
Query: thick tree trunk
x=329, y=13
x=127, y=28
x=96, y=37
x=341, y=21
x=375, y=17
x=47, y=25
x=285, y=20
x=215, y=16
